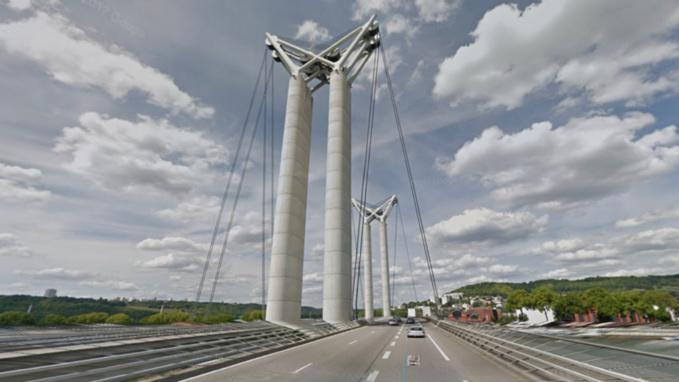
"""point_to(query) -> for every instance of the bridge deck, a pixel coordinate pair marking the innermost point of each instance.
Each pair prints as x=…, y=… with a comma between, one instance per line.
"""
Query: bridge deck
x=372, y=353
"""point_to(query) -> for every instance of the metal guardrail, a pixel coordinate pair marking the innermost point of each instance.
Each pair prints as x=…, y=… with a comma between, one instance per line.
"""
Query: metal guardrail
x=125, y=363
x=546, y=365
x=23, y=339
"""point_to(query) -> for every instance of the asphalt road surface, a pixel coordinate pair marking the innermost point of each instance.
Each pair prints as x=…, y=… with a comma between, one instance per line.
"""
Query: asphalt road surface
x=372, y=354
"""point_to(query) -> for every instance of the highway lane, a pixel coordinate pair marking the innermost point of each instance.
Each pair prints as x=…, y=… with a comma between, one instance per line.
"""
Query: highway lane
x=372, y=354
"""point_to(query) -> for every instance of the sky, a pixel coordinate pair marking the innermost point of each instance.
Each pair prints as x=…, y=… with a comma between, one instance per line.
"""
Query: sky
x=542, y=137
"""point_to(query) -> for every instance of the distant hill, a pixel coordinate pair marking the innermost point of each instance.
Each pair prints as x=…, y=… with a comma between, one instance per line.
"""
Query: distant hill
x=136, y=309
x=669, y=283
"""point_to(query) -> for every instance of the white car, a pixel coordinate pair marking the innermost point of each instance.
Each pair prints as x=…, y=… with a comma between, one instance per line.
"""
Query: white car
x=416, y=331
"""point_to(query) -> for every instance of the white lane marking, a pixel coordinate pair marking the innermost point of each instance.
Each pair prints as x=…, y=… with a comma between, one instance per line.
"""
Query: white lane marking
x=386, y=355
x=438, y=348
x=353, y=342
x=372, y=332
x=372, y=376
x=396, y=337
x=393, y=343
x=302, y=368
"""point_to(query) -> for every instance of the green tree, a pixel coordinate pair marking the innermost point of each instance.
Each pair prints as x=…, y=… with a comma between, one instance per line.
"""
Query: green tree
x=53, y=320
x=166, y=318
x=252, y=315
x=542, y=299
x=119, y=319
x=13, y=318
x=567, y=305
x=88, y=318
x=218, y=318
x=517, y=300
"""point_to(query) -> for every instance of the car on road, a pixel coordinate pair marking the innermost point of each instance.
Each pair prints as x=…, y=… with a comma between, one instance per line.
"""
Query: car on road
x=393, y=322
x=410, y=321
x=416, y=332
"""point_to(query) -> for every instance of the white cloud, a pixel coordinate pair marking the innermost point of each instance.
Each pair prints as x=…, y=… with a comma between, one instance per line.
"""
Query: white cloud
x=503, y=269
x=67, y=54
x=610, y=49
x=58, y=274
x=313, y=278
x=174, y=262
x=648, y=217
x=656, y=240
x=110, y=284
x=399, y=24
x=197, y=209
x=636, y=272
x=436, y=10
x=147, y=154
x=19, y=5
x=576, y=250
x=563, y=245
x=311, y=32
x=11, y=246
x=364, y=8
x=485, y=226
x=16, y=184
x=560, y=273
x=171, y=243
x=610, y=251
x=584, y=160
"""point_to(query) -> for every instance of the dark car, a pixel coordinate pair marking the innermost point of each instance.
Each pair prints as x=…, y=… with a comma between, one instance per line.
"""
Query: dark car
x=410, y=321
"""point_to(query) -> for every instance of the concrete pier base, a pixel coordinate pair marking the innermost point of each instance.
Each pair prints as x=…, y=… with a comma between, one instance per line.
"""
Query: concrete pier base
x=287, y=253
x=386, y=286
x=337, y=259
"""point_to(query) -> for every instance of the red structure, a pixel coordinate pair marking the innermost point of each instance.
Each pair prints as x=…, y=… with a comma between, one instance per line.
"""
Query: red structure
x=482, y=314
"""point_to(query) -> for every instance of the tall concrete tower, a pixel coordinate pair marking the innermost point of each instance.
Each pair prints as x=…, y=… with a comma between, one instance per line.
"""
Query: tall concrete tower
x=338, y=64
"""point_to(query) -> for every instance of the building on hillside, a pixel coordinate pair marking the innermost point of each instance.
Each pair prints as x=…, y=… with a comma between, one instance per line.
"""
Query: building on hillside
x=451, y=297
x=50, y=292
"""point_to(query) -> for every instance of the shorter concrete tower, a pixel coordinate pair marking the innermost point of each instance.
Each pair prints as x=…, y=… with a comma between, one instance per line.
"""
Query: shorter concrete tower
x=379, y=212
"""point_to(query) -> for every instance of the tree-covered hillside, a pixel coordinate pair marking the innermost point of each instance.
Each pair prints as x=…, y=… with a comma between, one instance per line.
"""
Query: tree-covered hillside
x=137, y=310
x=611, y=284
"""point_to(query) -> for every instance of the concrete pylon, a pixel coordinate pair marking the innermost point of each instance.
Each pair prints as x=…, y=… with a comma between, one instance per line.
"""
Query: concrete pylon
x=337, y=259
x=287, y=253
x=339, y=64
x=368, y=306
x=386, y=285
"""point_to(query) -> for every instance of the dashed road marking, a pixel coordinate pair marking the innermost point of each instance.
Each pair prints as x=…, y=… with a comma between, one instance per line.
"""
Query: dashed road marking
x=353, y=342
x=372, y=376
x=393, y=343
x=396, y=337
x=386, y=355
x=302, y=368
x=438, y=348
x=372, y=332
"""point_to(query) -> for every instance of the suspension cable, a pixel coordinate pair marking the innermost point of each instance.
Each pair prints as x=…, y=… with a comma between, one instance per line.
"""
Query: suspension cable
x=393, y=263
x=264, y=193
x=405, y=245
x=215, y=231
x=411, y=181
x=236, y=199
x=364, y=183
